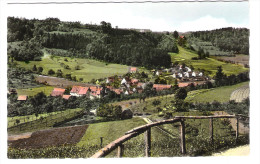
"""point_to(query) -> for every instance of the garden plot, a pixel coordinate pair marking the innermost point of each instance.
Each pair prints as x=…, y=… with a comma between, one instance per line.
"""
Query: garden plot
x=52, y=137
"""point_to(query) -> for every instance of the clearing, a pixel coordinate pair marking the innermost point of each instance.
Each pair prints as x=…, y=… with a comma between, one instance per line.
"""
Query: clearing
x=87, y=69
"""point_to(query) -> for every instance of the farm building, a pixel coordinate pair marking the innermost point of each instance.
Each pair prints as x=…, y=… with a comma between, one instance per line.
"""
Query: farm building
x=22, y=98
x=57, y=92
x=160, y=87
x=132, y=69
x=75, y=90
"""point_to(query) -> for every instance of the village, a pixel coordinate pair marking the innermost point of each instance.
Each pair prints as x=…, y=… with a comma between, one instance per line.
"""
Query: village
x=182, y=75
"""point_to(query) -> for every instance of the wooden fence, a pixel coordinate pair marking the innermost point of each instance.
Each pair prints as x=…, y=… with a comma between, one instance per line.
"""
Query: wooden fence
x=146, y=129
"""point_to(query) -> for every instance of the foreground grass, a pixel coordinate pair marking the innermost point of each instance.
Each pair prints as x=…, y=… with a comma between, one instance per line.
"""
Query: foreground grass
x=221, y=94
x=109, y=131
x=88, y=69
x=33, y=91
x=209, y=64
x=162, y=145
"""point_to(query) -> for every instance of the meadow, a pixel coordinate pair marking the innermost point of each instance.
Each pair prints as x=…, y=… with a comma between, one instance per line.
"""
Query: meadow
x=208, y=64
x=220, y=94
x=87, y=69
x=33, y=91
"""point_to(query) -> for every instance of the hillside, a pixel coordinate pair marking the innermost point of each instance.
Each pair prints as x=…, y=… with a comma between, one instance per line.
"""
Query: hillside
x=101, y=42
x=235, y=40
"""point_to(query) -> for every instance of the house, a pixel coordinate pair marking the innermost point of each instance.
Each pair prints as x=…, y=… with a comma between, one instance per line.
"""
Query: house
x=75, y=91
x=160, y=87
x=133, y=70
x=95, y=92
x=180, y=75
x=186, y=74
x=193, y=74
x=200, y=74
x=123, y=81
x=174, y=75
x=66, y=96
x=134, y=81
x=158, y=73
x=83, y=91
x=183, y=85
x=12, y=91
x=22, y=97
x=57, y=92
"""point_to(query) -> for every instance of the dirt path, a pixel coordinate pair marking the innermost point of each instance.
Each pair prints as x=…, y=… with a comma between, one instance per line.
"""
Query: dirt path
x=238, y=151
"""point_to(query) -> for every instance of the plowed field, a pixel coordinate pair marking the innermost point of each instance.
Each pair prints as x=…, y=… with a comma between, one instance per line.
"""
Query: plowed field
x=52, y=137
x=240, y=94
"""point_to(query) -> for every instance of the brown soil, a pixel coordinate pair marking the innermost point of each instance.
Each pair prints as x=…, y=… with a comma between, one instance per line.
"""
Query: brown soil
x=51, y=137
x=59, y=82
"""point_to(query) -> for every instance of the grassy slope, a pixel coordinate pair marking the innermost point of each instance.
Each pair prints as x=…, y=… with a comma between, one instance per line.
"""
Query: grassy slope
x=33, y=91
x=208, y=64
x=35, y=125
x=89, y=68
x=109, y=130
x=221, y=94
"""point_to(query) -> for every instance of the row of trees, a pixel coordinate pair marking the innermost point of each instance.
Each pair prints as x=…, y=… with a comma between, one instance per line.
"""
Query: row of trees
x=222, y=79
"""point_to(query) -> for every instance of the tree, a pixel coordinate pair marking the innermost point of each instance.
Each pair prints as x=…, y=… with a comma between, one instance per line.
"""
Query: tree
x=181, y=93
x=59, y=73
x=175, y=34
x=51, y=72
x=156, y=102
x=40, y=69
x=34, y=68
x=219, y=76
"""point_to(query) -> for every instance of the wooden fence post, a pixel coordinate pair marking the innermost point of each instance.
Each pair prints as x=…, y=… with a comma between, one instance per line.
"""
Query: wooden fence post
x=237, y=128
x=182, y=131
x=120, y=151
x=211, y=131
x=147, y=140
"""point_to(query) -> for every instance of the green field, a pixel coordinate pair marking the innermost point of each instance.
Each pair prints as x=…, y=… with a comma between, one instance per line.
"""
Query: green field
x=33, y=91
x=88, y=69
x=221, y=94
x=209, y=64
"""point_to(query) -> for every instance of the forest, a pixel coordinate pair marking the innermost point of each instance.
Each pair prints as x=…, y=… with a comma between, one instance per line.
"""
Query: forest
x=101, y=42
x=226, y=39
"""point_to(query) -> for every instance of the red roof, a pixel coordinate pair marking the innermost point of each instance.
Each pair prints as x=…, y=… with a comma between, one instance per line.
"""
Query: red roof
x=75, y=89
x=159, y=87
x=66, y=97
x=140, y=84
x=183, y=84
x=83, y=91
x=134, y=80
x=182, y=36
x=57, y=92
x=22, y=97
x=133, y=69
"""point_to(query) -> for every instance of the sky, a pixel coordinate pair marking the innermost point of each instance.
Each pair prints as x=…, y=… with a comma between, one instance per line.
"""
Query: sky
x=181, y=16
